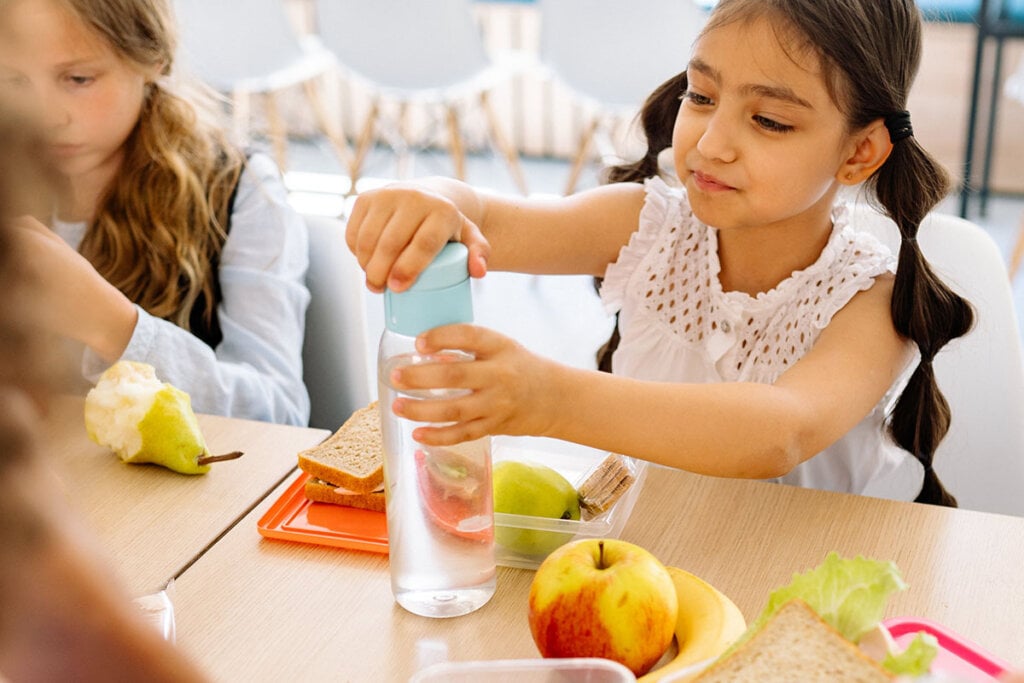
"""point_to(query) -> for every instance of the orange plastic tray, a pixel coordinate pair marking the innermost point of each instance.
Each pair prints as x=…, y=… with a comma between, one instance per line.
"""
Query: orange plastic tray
x=293, y=517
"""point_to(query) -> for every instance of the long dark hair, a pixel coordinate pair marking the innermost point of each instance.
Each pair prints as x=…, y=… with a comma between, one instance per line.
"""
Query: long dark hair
x=869, y=51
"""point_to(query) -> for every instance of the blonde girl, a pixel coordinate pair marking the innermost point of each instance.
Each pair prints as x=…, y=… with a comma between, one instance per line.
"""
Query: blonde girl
x=762, y=334
x=165, y=245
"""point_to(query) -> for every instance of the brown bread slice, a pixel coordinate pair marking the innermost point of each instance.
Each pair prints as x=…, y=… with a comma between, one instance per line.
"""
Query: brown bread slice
x=353, y=457
x=322, y=492
x=796, y=646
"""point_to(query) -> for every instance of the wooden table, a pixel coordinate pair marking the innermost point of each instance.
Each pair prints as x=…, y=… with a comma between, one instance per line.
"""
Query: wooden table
x=252, y=609
x=155, y=522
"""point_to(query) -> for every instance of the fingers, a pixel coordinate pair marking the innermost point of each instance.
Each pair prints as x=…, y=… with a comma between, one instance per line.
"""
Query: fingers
x=451, y=435
x=448, y=422
x=396, y=231
x=485, y=390
x=481, y=342
x=479, y=248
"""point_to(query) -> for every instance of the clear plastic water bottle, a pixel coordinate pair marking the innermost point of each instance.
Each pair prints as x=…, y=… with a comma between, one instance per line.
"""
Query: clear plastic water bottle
x=440, y=511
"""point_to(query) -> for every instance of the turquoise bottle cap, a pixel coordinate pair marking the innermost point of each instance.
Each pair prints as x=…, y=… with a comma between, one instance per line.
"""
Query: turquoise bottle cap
x=441, y=295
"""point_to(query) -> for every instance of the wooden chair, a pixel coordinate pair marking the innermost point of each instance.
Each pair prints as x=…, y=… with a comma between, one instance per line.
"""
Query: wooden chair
x=408, y=54
x=1017, y=255
x=611, y=55
x=1014, y=89
x=250, y=49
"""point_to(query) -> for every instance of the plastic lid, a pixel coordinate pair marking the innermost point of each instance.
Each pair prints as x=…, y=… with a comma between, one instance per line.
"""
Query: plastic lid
x=569, y=670
x=441, y=295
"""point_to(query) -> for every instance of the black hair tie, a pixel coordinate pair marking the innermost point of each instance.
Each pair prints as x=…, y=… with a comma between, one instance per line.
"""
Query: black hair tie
x=899, y=126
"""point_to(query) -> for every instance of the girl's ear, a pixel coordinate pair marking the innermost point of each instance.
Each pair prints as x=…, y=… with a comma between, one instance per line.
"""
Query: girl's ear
x=154, y=71
x=871, y=147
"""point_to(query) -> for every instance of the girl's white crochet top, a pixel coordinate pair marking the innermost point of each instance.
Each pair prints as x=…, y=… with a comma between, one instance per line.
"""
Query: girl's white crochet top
x=677, y=325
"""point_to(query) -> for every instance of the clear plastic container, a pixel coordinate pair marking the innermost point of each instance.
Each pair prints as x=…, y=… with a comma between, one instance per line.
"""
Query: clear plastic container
x=571, y=670
x=573, y=462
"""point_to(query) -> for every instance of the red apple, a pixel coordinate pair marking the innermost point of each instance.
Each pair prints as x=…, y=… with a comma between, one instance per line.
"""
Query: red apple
x=603, y=598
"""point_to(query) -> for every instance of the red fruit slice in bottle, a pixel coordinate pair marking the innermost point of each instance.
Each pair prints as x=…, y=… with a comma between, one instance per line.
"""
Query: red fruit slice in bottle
x=456, y=493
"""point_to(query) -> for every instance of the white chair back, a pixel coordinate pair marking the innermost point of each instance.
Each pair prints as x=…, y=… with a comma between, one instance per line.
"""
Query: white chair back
x=337, y=365
x=403, y=44
x=616, y=53
x=981, y=460
x=248, y=46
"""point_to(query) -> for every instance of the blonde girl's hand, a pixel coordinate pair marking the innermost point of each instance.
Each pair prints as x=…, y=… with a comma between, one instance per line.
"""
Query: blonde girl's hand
x=397, y=230
x=509, y=388
x=61, y=292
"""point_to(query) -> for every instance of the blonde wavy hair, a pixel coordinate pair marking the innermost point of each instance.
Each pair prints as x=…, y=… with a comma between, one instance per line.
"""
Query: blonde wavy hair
x=161, y=227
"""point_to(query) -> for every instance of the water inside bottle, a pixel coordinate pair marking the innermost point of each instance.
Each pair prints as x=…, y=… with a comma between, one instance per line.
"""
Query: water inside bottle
x=440, y=514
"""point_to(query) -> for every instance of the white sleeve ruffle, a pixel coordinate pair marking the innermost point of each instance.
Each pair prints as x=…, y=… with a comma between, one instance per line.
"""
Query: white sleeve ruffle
x=662, y=207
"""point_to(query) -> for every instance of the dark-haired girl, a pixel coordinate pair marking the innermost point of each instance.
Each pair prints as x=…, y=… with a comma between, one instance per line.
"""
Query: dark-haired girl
x=761, y=334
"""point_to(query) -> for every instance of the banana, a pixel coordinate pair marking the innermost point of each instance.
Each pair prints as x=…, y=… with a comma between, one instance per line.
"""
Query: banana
x=708, y=623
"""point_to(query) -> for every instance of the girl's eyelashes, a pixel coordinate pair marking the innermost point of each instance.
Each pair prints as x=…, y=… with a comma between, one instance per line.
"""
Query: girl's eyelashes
x=79, y=80
x=771, y=125
x=765, y=123
x=696, y=98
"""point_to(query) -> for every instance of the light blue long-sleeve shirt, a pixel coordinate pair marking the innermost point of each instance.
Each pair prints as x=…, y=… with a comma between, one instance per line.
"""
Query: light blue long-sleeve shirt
x=255, y=372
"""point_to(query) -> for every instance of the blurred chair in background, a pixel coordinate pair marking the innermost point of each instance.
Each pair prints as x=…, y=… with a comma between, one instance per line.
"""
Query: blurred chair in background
x=1015, y=90
x=253, y=48
x=981, y=460
x=337, y=366
x=612, y=54
x=997, y=21
x=408, y=53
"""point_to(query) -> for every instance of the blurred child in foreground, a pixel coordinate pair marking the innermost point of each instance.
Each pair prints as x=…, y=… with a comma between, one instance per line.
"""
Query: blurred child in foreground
x=62, y=617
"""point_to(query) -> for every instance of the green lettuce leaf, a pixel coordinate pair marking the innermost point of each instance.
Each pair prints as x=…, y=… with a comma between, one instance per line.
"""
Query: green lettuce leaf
x=849, y=594
x=916, y=659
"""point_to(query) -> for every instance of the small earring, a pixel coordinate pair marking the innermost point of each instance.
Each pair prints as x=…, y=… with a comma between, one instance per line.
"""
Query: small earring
x=849, y=175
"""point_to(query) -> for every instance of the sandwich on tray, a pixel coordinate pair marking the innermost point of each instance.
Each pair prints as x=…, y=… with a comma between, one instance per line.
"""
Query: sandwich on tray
x=825, y=626
x=347, y=468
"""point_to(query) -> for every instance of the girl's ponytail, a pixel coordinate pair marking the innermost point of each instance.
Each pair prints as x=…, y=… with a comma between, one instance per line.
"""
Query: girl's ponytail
x=924, y=309
x=657, y=118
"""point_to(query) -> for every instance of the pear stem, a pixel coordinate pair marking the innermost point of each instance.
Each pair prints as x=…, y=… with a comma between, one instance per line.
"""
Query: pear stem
x=207, y=459
x=600, y=555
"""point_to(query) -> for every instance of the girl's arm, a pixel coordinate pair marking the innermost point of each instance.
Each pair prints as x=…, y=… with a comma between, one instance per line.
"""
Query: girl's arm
x=67, y=295
x=724, y=429
x=397, y=230
x=256, y=370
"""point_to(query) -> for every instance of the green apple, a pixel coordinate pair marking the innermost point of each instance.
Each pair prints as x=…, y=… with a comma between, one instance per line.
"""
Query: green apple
x=144, y=420
x=523, y=488
x=603, y=598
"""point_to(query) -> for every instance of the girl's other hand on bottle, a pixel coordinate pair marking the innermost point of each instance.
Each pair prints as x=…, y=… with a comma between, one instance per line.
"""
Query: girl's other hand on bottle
x=508, y=391
x=396, y=231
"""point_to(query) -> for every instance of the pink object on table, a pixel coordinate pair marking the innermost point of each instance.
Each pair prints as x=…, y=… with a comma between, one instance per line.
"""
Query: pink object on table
x=957, y=656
